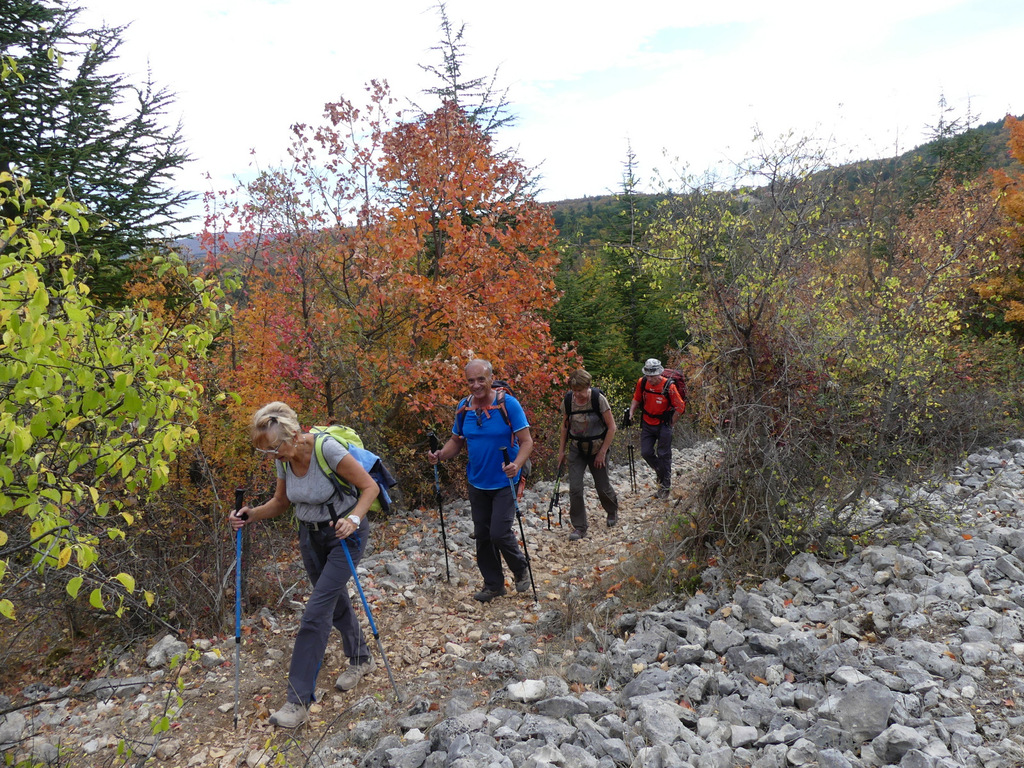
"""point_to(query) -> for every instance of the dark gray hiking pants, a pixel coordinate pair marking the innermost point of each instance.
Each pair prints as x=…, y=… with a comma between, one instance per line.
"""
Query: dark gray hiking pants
x=656, y=448
x=578, y=462
x=328, y=606
x=493, y=515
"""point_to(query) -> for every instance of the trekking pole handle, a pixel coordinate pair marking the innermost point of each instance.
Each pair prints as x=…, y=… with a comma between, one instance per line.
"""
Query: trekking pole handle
x=433, y=442
x=239, y=501
x=504, y=455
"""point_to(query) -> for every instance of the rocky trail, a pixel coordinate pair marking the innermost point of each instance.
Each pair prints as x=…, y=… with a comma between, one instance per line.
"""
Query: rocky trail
x=909, y=653
x=430, y=628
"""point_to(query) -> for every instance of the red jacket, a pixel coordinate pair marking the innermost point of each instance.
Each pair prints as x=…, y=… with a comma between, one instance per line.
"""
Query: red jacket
x=656, y=406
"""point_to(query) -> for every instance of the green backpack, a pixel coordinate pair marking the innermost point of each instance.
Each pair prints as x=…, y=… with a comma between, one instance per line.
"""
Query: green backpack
x=370, y=461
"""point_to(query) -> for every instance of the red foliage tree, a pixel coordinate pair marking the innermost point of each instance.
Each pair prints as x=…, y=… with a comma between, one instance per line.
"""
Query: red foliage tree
x=385, y=260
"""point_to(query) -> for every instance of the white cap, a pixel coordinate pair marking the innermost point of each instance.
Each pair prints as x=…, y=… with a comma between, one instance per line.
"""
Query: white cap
x=653, y=367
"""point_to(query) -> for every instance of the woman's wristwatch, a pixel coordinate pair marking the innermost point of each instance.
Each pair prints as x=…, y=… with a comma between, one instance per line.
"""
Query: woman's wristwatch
x=355, y=520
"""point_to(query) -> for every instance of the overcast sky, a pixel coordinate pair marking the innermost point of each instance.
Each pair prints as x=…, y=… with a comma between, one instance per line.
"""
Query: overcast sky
x=683, y=82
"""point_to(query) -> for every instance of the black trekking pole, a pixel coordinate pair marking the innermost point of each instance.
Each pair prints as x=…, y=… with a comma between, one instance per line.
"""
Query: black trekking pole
x=366, y=606
x=632, y=468
x=239, y=500
x=440, y=512
x=554, y=498
x=522, y=531
x=627, y=423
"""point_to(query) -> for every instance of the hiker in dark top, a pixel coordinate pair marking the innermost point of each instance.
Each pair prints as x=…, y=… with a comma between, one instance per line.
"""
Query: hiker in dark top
x=662, y=405
x=486, y=422
x=587, y=431
x=276, y=432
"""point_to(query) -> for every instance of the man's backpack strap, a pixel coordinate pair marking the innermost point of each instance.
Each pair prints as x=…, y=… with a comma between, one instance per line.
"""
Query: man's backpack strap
x=497, y=405
x=666, y=417
x=460, y=416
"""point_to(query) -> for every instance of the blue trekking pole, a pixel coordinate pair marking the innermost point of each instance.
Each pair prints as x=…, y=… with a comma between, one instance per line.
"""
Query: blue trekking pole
x=239, y=499
x=522, y=532
x=437, y=492
x=369, y=617
x=366, y=606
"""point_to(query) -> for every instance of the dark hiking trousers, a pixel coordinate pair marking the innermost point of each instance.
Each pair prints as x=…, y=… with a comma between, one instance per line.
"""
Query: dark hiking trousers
x=656, y=448
x=328, y=606
x=578, y=462
x=493, y=515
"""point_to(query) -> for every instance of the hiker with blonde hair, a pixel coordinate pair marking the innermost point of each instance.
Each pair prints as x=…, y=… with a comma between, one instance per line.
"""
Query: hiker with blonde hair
x=276, y=432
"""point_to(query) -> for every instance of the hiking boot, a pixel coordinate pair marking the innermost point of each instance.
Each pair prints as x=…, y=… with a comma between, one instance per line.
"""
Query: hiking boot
x=613, y=520
x=485, y=595
x=522, y=581
x=663, y=493
x=350, y=678
x=577, y=535
x=291, y=715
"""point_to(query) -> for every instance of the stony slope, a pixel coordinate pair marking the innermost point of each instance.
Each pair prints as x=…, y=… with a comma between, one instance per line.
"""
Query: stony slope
x=907, y=654
x=425, y=623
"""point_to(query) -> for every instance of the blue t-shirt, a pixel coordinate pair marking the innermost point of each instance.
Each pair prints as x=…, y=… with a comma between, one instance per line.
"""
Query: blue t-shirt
x=485, y=437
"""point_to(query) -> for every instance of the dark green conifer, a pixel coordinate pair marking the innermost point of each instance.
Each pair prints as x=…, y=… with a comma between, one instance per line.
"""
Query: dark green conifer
x=76, y=126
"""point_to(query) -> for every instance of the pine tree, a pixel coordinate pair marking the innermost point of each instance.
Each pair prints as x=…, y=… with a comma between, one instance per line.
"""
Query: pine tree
x=480, y=98
x=75, y=126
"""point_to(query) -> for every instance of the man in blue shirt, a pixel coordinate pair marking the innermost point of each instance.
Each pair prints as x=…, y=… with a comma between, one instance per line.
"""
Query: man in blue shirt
x=486, y=422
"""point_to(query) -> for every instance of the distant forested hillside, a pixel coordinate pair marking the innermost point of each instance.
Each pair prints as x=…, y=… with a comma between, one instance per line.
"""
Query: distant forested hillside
x=605, y=218
x=621, y=297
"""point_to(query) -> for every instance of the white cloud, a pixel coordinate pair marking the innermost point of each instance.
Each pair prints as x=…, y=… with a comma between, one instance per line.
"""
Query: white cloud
x=687, y=77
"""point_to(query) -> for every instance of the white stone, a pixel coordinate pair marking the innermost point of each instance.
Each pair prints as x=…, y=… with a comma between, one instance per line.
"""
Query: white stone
x=527, y=691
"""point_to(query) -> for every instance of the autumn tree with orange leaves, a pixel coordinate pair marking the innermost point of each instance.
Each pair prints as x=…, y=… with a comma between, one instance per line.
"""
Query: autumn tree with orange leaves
x=1004, y=293
x=390, y=255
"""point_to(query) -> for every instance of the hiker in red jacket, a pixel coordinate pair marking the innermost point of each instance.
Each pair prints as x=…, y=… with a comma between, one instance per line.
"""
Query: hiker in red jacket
x=661, y=405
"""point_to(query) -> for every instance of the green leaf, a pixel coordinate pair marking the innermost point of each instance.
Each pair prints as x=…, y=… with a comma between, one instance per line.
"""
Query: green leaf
x=7, y=609
x=132, y=402
x=96, y=599
x=127, y=580
x=85, y=555
x=74, y=585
